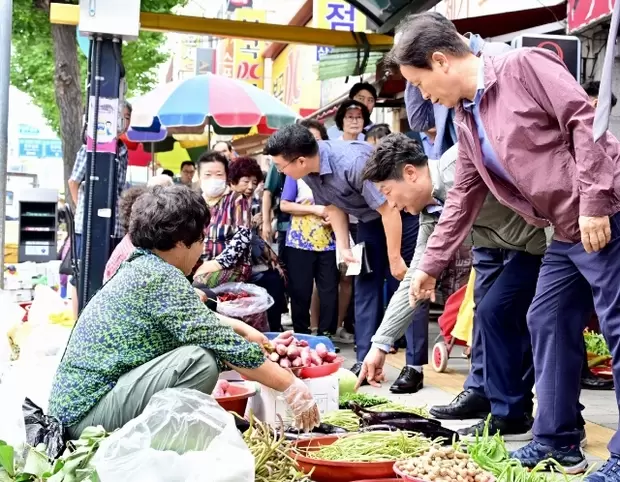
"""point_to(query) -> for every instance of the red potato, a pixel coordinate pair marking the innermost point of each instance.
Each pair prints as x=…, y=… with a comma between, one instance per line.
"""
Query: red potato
x=218, y=393
x=224, y=385
x=285, y=363
x=293, y=352
x=284, y=335
x=330, y=357
x=296, y=363
x=306, y=361
x=301, y=343
x=321, y=350
x=316, y=359
x=281, y=350
x=284, y=341
x=274, y=357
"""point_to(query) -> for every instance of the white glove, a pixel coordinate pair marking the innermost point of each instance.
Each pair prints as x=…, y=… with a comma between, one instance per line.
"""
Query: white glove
x=298, y=397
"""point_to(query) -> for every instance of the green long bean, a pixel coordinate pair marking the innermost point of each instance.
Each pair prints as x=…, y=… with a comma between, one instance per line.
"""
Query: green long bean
x=372, y=447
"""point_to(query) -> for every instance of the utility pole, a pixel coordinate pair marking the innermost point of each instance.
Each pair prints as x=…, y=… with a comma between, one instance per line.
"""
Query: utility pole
x=6, y=26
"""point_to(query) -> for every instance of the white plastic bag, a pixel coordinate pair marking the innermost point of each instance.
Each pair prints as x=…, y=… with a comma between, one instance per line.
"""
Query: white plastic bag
x=182, y=436
x=259, y=300
x=12, y=426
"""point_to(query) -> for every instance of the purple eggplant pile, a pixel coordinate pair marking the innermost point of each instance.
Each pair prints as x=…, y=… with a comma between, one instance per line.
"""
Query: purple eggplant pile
x=406, y=421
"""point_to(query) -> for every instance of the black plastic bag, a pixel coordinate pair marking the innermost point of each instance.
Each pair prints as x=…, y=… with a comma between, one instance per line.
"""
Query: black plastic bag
x=43, y=429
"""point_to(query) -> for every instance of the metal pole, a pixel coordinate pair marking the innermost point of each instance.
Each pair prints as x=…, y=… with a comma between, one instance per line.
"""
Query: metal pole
x=6, y=25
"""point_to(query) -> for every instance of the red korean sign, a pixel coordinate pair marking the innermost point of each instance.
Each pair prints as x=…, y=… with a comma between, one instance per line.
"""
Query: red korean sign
x=585, y=13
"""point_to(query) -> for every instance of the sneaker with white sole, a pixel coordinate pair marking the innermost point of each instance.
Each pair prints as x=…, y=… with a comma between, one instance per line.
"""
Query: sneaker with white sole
x=511, y=430
x=343, y=336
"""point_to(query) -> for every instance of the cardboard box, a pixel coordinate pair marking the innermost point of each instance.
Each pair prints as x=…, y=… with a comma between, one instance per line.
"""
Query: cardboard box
x=266, y=404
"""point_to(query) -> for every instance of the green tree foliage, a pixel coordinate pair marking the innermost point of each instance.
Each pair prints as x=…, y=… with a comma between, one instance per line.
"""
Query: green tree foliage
x=41, y=65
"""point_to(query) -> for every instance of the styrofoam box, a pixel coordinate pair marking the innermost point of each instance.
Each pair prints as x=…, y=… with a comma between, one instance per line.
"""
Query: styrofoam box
x=266, y=404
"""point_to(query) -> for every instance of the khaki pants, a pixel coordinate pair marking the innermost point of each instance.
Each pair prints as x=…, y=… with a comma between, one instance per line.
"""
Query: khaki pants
x=186, y=367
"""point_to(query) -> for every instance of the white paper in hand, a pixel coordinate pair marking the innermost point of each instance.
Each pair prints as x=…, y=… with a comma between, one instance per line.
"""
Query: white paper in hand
x=353, y=269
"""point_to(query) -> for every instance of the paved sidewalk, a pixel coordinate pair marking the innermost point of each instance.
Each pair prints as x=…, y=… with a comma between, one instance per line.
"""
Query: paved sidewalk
x=601, y=412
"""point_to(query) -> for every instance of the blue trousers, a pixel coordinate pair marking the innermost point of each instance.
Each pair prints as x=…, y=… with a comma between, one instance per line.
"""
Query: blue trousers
x=369, y=294
x=501, y=352
x=568, y=278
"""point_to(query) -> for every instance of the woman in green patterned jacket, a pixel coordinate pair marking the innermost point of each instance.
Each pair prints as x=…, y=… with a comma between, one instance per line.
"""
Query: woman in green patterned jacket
x=147, y=330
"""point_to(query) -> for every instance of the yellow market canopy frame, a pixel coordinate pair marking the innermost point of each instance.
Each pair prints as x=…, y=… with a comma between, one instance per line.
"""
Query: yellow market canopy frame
x=66, y=14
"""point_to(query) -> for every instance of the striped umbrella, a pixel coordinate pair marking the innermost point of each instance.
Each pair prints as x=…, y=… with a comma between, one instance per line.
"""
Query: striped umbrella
x=206, y=103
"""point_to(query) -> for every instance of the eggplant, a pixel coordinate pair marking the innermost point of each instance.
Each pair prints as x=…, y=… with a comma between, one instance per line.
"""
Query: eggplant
x=368, y=417
x=429, y=430
x=323, y=428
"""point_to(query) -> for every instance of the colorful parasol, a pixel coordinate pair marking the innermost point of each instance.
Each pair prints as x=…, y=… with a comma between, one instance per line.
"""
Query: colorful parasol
x=191, y=106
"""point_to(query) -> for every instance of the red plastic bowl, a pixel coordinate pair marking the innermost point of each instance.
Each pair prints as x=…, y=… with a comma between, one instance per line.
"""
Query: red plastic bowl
x=328, y=471
x=238, y=400
x=322, y=371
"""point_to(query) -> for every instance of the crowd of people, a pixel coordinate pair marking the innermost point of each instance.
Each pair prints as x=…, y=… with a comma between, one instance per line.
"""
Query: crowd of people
x=414, y=213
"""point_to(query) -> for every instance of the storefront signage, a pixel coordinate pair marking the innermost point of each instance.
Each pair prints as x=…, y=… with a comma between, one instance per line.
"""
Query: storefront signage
x=583, y=14
x=336, y=15
x=40, y=148
x=248, y=63
x=225, y=58
x=294, y=77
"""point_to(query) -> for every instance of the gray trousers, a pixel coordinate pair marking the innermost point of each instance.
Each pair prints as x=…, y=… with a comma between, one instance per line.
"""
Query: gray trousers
x=186, y=367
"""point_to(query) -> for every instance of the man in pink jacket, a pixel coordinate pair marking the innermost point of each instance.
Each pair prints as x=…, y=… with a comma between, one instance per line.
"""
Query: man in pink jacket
x=524, y=127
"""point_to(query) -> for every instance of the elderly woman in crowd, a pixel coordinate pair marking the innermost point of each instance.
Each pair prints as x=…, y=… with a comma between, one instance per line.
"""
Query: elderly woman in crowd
x=128, y=198
x=228, y=235
x=244, y=177
x=351, y=118
x=146, y=330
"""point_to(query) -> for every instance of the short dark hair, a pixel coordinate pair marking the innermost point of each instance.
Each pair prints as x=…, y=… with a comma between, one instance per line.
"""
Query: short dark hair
x=213, y=156
x=378, y=131
x=315, y=124
x=423, y=34
x=165, y=216
x=291, y=142
x=345, y=106
x=126, y=202
x=391, y=156
x=363, y=86
x=228, y=145
x=187, y=163
x=244, y=167
x=167, y=172
x=593, y=88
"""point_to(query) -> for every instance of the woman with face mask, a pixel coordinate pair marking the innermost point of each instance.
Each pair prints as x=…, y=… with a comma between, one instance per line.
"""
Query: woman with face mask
x=226, y=254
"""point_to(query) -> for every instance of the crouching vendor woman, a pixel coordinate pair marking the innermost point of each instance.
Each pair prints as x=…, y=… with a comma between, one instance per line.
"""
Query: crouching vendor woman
x=146, y=330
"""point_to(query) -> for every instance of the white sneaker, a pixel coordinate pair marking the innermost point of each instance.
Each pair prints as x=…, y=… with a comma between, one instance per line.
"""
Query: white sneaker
x=343, y=336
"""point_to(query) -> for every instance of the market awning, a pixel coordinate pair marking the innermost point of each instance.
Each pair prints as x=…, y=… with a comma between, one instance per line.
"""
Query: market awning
x=386, y=14
x=350, y=61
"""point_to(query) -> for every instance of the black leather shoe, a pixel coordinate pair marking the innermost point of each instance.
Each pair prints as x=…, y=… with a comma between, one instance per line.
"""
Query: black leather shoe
x=409, y=381
x=467, y=404
x=356, y=369
x=592, y=382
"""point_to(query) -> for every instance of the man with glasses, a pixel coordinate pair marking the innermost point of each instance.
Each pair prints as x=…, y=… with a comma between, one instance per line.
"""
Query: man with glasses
x=333, y=170
x=188, y=171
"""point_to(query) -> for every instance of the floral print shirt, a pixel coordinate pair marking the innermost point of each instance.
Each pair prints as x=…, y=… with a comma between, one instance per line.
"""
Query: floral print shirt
x=147, y=309
x=306, y=232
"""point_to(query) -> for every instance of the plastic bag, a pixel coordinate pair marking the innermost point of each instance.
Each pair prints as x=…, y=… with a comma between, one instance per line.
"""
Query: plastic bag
x=257, y=302
x=12, y=426
x=182, y=436
x=43, y=429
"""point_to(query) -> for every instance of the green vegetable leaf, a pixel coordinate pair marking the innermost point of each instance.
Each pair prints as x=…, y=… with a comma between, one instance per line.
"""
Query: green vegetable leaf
x=37, y=463
x=7, y=455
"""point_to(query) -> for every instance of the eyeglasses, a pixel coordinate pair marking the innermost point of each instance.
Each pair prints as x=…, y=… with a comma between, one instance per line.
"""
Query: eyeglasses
x=354, y=119
x=281, y=169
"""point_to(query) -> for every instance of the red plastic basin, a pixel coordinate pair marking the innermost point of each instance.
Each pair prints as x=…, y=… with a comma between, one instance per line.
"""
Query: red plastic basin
x=322, y=371
x=237, y=401
x=328, y=471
